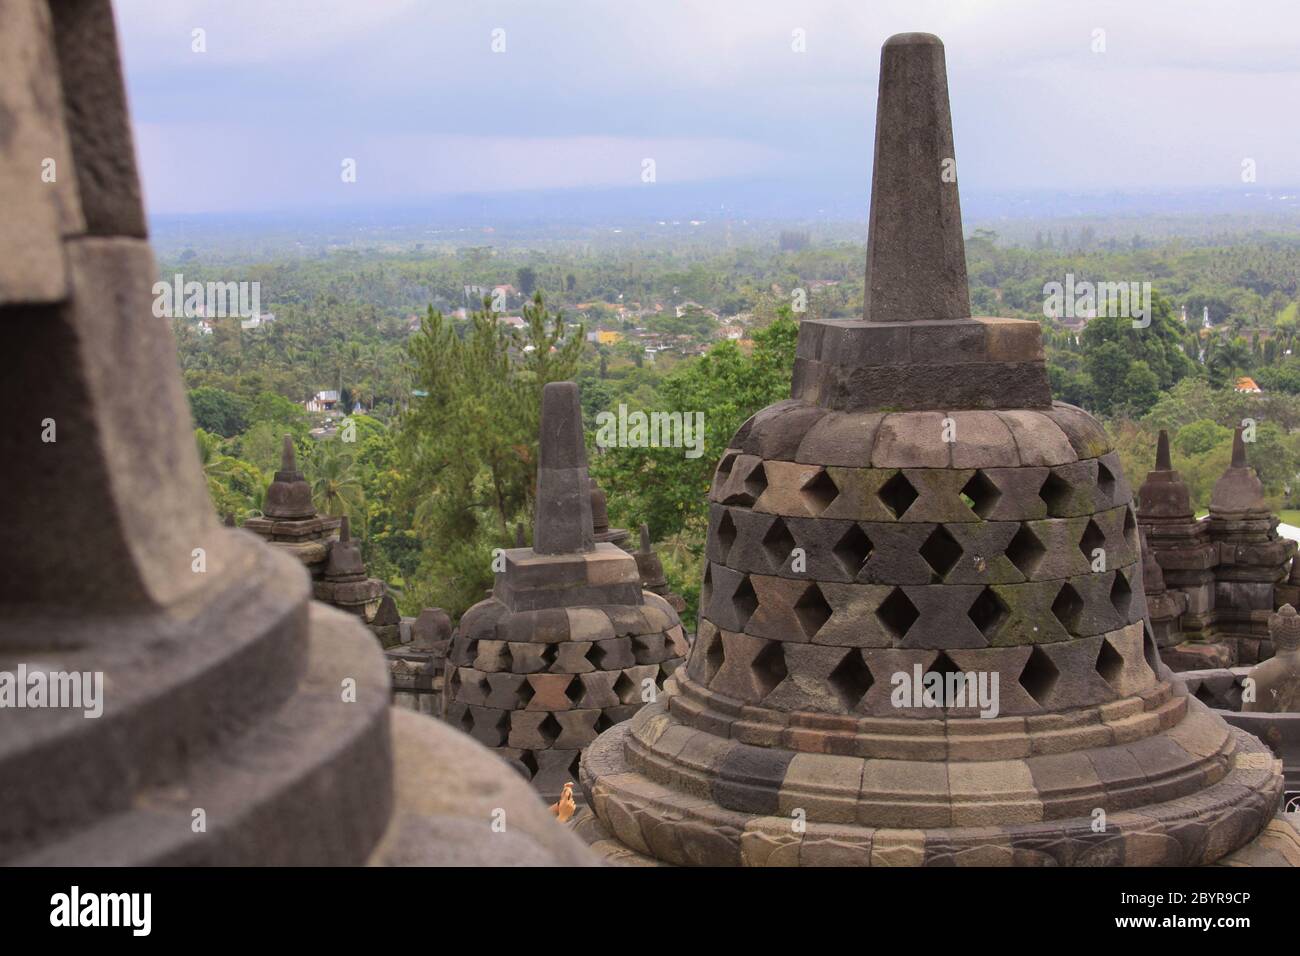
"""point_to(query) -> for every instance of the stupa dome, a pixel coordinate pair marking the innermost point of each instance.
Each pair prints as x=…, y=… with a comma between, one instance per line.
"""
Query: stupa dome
x=923, y=635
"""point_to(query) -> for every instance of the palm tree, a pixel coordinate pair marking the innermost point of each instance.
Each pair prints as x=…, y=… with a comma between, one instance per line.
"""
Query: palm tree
x=215, y=464
x=335, y=489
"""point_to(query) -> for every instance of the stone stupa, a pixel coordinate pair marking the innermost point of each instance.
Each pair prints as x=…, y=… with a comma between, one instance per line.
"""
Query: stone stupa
x=653, y=577
x=921, y=512
x=240, y=723
x=1253, y=559
x=289, y=519
x=568, y=644
x=323, y=543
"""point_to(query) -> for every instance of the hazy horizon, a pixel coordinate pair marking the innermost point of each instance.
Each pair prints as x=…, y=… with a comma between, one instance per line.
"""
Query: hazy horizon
x=715, y=94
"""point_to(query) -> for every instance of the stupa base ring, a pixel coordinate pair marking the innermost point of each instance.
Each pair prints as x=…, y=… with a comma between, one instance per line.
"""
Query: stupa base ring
x=636, y=819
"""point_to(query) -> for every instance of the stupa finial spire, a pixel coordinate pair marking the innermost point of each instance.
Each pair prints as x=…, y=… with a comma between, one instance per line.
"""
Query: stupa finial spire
x=1162, y=452
x=916, y=257
x=563, y=488
x=1238, y=449
x=288, y=459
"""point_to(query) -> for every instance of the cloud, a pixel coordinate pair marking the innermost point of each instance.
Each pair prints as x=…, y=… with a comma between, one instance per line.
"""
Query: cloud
x=1182, y=92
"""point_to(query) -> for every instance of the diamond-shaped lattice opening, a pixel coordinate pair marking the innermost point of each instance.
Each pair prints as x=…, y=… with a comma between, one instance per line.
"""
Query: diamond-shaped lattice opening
x=756, y=482
x=575, y=690
x=851, y=679
x=745, y=601
x=980, y=494
x=524, y=693
x=467, y=721
x=1039, y=676
x=549, y=653
x=819, y=491
x=714, y=655
x=575, y=764
x=596, y=654
x=853, y=550
x=987, y=612
x=453, y=682
x=1110, y=664
x=778, y=542
x=897, y=613
x=725, y=466
x=812, y=610
x=1205, y=695
x=944, y=666
x=706, y=588
x=1025, y=551
x=941, y=551
x=1067, y=607
x=1106, y=481
x=1092, y=540
x=1121, y=596
x=484, y=688
x=726, y=535
x=897, y=494
x=626, y=689
x=529, y=760
x=1055, y=493
x=603, y=722
x=769, y=667
x=1130, y=528
x=550, y=729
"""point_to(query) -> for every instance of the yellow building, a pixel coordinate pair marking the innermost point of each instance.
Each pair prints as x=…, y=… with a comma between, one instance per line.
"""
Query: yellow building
x=608, y=338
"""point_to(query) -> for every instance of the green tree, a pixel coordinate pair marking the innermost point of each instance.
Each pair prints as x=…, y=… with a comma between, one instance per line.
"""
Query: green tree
x=1108, y=367
x=469, y=444
x=335, y=487
x=1159, y=344
x=218, y=411
x=1141, y=388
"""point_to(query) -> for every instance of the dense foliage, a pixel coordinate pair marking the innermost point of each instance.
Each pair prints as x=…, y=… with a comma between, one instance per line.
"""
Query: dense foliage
x=441, y=467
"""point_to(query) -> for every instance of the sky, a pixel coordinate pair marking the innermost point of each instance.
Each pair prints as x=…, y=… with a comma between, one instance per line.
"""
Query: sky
x=1169, y=95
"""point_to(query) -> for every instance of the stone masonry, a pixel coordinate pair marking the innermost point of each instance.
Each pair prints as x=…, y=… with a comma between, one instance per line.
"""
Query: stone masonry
x=569, y=644
x=225, y=689
x=1219, y=579
x=959, y=526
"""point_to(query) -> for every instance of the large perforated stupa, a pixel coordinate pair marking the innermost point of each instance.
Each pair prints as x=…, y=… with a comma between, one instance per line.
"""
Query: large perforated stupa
x=921, y=506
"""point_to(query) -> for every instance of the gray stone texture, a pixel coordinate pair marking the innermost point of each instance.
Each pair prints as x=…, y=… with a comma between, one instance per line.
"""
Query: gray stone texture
x=958, y=530
x=226, y=688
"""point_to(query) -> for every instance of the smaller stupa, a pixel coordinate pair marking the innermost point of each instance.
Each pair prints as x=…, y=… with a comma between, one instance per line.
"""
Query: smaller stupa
x=289, y=519
x=324, y=545
x=1180, y=547
x=652, y=572
x=568, y=644
x=1253, y=559
x=345, y=584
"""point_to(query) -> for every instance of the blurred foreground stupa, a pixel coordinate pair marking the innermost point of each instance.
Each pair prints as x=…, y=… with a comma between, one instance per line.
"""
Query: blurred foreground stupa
x=953, y=526
x=238, y=721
